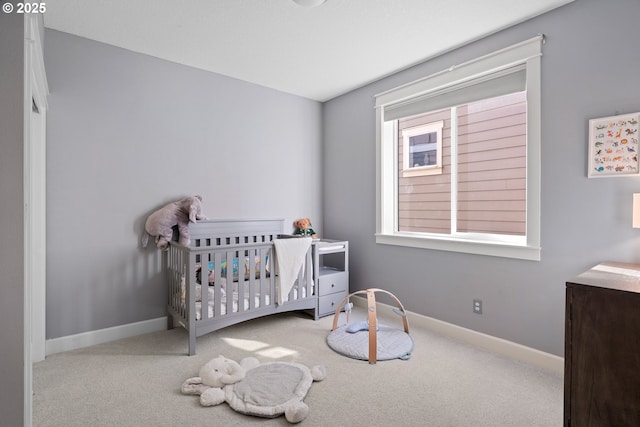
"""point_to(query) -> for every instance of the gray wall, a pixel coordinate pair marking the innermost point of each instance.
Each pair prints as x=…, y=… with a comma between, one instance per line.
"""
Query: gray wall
x=128, y=133
x=589, y=69
x=12, y=355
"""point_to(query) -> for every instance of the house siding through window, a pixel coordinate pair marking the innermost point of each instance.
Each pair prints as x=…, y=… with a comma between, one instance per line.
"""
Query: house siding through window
x=491, y=196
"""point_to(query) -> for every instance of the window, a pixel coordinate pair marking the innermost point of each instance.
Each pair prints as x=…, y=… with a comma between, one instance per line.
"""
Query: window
x=422, y=149
x=459, y=157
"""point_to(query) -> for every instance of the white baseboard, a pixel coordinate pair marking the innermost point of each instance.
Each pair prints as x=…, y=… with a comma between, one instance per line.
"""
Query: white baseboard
x=547, y=361
x=510, y=349
x=86, y=339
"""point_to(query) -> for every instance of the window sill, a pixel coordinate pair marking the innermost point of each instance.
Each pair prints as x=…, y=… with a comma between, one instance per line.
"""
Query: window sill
x=499, y=249
x=422, y=171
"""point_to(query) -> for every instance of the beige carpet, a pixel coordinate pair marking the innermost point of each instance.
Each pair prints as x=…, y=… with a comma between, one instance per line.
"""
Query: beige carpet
x=136, y=381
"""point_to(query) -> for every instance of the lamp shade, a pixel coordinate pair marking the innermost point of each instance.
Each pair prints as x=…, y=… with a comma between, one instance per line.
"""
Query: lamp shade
x=636, y=210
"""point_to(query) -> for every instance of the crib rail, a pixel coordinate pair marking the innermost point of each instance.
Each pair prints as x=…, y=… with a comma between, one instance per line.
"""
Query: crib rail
x=234, y=232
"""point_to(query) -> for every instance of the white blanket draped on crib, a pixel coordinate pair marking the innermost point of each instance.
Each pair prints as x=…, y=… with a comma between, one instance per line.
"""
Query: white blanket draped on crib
x=290, y=256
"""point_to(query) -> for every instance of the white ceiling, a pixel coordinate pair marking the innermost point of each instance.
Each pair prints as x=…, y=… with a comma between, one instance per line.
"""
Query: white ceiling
x=317, y=53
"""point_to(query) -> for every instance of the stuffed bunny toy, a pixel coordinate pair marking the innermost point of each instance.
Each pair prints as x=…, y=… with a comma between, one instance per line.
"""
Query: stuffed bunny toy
x=253, y=388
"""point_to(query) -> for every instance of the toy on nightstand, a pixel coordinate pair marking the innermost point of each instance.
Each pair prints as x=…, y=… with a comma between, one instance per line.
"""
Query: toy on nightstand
x=303, y=228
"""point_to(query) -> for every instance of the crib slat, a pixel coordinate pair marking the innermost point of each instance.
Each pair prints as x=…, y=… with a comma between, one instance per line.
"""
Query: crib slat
x=252, y=255
x=218, y=285
x=230, y=283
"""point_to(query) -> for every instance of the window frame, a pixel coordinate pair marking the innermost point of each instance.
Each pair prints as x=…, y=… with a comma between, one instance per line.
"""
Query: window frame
x=527, y=54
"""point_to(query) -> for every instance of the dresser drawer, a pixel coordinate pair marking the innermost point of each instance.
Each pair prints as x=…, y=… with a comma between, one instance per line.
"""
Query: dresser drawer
x=331, y=283
x=329, y=303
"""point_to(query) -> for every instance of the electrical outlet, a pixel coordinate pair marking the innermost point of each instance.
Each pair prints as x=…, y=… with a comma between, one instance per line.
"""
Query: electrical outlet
x=477, y=306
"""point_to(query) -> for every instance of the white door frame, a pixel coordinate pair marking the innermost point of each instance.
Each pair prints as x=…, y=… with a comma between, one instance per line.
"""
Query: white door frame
x=35, y=213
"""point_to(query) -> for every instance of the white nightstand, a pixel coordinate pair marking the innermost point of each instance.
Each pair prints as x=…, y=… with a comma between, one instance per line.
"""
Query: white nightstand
x=330, y=274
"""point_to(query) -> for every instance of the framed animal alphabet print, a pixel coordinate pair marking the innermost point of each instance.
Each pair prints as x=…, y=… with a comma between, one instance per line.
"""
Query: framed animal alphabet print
x=613, y=146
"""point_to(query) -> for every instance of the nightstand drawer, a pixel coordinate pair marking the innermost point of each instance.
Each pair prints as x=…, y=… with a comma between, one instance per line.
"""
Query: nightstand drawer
x=331, y=283
x=329, y=303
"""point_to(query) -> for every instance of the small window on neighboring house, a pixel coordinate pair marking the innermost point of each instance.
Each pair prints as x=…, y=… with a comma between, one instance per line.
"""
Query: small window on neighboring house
x=422, y=149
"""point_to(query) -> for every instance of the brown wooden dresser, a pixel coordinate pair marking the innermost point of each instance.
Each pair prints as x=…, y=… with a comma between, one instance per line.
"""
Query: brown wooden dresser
x=602, y=347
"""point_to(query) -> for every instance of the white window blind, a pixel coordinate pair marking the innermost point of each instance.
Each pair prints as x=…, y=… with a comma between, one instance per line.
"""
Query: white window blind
x=503, y=82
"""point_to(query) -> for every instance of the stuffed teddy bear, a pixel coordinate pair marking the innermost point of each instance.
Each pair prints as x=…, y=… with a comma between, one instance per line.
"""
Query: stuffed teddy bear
x=249, y=387
x=303, y=228
x=180, y=213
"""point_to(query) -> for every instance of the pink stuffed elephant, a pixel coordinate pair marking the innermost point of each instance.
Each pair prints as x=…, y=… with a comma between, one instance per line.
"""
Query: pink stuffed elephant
x=160, y=223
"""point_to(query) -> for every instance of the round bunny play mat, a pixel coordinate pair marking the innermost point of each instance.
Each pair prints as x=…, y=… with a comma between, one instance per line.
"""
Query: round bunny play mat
x=368, y=340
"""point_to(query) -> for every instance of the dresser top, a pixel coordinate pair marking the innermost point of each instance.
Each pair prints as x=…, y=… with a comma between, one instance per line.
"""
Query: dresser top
x=611, y=275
